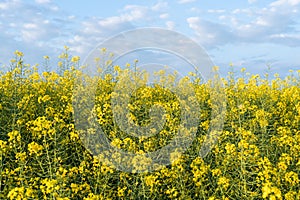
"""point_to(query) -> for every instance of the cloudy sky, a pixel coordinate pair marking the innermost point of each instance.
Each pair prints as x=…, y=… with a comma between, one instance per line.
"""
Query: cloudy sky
x=251, y=34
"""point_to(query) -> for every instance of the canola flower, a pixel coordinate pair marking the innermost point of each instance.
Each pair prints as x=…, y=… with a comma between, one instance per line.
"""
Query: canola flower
x=42, y=157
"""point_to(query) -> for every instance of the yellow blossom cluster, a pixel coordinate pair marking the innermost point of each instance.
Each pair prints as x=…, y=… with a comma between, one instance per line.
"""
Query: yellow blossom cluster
x=42, y=156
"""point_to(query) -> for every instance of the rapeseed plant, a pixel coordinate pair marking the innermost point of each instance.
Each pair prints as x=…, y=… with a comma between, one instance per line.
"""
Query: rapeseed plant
x=42, y=156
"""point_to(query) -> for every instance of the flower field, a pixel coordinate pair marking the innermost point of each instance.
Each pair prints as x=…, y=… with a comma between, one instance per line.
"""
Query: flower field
x=257, y=155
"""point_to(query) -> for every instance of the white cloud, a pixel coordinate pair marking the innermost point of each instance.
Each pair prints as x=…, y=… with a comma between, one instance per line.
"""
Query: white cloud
x=38, y=34
x=292, y=40
x=285, y=2
x=27, y=29
x=113, y=21
x=271, y=24
x=160, y=6
x=297, y=36
x=195, y=10
x=42, y=1
x=251, y=1
x=209, y=33
x=216, y=11
x=30, y=26
x=262, y=22
x=185, y=1
x=44, y=29
x=170, y=25
x=95, y=30
x=164, y=16
x=4, y=6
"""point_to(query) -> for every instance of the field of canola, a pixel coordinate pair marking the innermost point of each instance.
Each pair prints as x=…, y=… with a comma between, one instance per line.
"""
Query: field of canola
x=257, y=155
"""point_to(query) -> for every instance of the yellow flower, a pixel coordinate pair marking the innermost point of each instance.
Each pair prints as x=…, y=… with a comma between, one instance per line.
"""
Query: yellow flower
x=21, y=155
x=276, y=192
x=291, y=195
x=44, y=98
x=75, y=59
x=199, y=170
x=75, y=188
x=34, y=148
x=261, y=117
x=103, y=50
x=291, y=178
x=150, y=180
x=216, y=68
x=92, y=196
x=224, y=182
x=3, y=145
x=117, y=68
x=193, y=74
x=106, y=169
x=49, y=185
x=19, y=53
x=230, y=148
x=116, y=142
x=17, y=193
x=14, y=136
x=216, y=172
x=286, y=158
x=74, y=136
x=66, y=48
x=121, y=191
x=243, y=144
x=108, y=62
x=172, y=192
x=30, y=193
x=141, y=162
x=60, y=64
x=282, y=166
x=175, y=158
x=266, y=190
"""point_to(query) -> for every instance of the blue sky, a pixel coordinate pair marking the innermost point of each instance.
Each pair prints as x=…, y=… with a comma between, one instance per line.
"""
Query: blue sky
x=251, y=34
